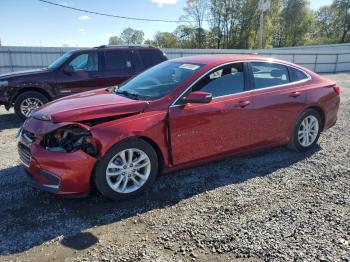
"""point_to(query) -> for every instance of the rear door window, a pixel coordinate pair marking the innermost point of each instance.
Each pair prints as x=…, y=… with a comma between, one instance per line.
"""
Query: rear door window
x=118, y=60
x=151, y=57
x=269, y=74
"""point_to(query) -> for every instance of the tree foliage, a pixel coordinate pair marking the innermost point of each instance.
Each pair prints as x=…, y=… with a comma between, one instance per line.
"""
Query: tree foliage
x=115, y=40
x=132, y=36
x=235, y=24
x=165, y=40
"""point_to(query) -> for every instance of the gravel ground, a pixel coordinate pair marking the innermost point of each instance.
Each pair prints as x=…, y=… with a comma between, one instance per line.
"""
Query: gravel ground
x=274, y=205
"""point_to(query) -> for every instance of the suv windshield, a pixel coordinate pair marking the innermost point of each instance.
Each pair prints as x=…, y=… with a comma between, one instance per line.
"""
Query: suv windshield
x=59, y=61
x=158, y=81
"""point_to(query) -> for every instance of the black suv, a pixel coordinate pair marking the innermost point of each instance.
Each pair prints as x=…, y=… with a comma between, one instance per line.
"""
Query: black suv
x=74, y=72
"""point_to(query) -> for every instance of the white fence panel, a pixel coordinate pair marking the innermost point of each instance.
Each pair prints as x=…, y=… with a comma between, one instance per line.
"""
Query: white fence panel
x=323, y=58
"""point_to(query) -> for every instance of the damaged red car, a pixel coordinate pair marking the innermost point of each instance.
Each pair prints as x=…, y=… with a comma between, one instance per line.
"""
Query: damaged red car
x=178, y=114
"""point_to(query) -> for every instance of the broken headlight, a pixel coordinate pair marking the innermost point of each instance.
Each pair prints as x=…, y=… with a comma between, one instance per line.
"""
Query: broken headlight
x=70, y=139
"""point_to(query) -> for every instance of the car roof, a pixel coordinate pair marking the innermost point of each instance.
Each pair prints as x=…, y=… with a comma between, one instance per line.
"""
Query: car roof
x=218, y=59
x=117, y=47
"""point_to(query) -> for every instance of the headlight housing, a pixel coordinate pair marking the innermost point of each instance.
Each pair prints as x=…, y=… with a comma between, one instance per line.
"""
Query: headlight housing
x=69, y=139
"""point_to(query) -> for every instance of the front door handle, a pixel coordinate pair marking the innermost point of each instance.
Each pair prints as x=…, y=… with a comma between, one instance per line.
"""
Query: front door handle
x=295, y=94
x=243, y=104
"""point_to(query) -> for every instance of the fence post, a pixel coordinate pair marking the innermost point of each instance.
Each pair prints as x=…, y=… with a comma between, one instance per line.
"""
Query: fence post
x=316, y=61
x=336, y=63
x=10, y=59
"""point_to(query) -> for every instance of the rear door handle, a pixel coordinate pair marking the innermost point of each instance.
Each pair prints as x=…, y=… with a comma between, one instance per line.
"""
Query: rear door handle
x=295, y=94
x=243, y=104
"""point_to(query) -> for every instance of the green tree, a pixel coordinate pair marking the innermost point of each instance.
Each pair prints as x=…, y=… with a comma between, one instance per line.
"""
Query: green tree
x=341, y=10
x=165, y=40
x=132, y=36
x=297, y=23
x=186, y=36
x=196, y=11
x=115, y=40
x=150, y=42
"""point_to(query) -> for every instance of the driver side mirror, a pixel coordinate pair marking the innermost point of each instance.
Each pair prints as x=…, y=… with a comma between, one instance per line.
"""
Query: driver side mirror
x=69, y=70
x=198, y=97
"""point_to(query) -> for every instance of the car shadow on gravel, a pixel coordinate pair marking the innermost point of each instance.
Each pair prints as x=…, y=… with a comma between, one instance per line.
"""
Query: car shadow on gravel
x=9, y=120
x=30, y=218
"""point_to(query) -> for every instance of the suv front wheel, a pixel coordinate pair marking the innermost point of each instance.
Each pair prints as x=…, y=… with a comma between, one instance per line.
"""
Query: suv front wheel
x=27, y=102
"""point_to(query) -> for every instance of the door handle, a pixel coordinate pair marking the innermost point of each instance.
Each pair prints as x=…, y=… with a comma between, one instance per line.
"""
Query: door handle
x=295, y=94
x=243, y=104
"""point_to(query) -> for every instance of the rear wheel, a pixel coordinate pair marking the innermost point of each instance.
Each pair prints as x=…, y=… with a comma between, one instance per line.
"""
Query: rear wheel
x=27, y=102
x=127, y=170
x=306, y=131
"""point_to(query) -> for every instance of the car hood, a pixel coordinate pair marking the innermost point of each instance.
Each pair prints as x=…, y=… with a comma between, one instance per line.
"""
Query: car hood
x=23, y=73
x=89, y=105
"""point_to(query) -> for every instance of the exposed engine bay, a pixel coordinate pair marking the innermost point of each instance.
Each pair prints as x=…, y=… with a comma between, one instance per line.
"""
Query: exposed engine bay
x=70, y=139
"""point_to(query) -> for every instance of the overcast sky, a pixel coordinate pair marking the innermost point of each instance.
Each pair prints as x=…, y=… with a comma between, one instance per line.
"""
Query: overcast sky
x=34, y=23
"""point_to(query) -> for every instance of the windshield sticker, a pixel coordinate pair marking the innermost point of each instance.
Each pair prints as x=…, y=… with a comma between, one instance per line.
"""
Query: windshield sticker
x=189, y=66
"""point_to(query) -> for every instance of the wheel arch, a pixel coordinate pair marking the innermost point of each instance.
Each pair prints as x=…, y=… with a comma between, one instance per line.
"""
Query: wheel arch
x=145, y=139
x=158, y=151
x=319, y=110
x=31, y=89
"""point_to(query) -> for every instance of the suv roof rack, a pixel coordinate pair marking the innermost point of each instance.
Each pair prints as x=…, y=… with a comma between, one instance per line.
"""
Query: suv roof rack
x=125, y=46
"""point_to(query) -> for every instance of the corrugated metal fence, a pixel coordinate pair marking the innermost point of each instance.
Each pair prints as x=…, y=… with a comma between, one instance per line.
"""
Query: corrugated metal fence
x=323, y=58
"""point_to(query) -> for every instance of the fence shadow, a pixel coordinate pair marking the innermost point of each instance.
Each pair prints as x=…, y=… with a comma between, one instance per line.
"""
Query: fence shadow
x=30, y=218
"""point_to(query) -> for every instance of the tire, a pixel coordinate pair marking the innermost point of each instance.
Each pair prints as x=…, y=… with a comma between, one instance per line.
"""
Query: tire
x=298, y=141
x=106, y=176
x=32, y=100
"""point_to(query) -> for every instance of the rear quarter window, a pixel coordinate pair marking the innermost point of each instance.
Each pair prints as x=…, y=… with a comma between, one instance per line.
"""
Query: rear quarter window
x=296, y=75
x=151, y=57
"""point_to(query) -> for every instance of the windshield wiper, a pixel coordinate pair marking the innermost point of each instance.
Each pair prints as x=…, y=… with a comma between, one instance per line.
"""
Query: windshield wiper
x=128, y=94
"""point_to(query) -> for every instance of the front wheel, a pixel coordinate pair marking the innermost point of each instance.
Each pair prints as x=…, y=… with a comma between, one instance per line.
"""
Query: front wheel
x=127, y=170
x=306, y=131
x=27, y=102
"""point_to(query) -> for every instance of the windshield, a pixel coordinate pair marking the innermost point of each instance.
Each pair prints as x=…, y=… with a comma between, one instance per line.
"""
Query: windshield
x=59, y=61
x=158, y=81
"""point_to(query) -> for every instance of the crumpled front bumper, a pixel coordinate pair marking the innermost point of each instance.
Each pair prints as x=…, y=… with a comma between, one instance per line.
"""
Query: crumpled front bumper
x=55, y=172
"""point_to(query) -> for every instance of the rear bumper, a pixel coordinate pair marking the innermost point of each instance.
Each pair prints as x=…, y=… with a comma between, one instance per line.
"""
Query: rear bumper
x=331, y=111
x=57, y=173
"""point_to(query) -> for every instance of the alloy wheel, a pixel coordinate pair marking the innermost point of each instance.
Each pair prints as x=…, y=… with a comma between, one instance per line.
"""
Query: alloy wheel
x=128, y=170
x=308, y=131
x=29, y=105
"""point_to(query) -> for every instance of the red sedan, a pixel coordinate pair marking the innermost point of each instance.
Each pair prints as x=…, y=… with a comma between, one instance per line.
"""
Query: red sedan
x=177, y=114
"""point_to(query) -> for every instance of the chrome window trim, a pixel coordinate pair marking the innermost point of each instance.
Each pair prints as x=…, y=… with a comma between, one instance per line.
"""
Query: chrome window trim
x=247, y=91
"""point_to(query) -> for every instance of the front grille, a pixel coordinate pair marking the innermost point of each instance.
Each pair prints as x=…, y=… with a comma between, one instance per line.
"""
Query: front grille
x=24, y=154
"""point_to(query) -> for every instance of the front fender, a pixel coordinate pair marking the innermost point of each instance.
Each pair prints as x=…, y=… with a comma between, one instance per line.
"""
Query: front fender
x=150, y=125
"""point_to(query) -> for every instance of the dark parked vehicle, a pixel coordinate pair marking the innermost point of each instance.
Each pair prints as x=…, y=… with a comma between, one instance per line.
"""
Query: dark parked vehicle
x=75, y=72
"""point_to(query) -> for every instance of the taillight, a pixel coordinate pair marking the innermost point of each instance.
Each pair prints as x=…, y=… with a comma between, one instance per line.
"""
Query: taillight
x=337, y=89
